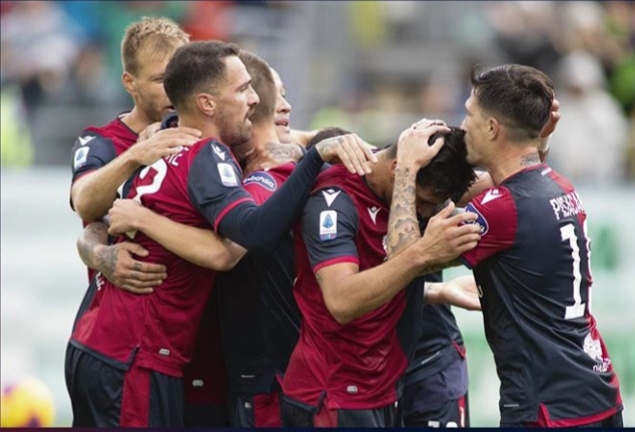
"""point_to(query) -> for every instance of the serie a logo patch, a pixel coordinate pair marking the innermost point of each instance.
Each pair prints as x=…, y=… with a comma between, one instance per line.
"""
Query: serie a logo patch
x=227, y=174
x=328, y=225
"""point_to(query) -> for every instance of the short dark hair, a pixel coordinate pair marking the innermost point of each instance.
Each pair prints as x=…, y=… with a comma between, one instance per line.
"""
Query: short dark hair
x=328, y=132
x=520, y=97
x=195, y=67
x=263, y=84
x=449, y=174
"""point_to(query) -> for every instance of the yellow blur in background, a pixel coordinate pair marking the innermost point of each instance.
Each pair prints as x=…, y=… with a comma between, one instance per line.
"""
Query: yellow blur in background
x=27, y=403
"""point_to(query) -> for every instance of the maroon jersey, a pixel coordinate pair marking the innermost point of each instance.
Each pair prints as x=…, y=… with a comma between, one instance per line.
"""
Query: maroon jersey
x=196, y=187
x=357, y=365
x=96, y=147
x=532, y=268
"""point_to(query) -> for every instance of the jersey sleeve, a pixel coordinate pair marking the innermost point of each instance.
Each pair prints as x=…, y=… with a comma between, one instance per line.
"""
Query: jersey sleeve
x=91, y=151
x=329, y=226
x=260, y=185
x=215, y=182
x=497, y=218
x=260, y=228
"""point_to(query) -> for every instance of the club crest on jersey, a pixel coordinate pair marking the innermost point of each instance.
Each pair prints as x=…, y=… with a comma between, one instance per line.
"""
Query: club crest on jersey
x=480, y=220
x=328, y=225
x=81, y=156
x=262, y=179
x=227, y=175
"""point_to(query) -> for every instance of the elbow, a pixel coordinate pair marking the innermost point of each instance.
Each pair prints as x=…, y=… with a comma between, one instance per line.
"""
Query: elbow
x=339, y=310
x=85, y=209
x=221, y=262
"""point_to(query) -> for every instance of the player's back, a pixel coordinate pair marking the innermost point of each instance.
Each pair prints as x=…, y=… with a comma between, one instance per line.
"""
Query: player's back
x=159, y=328
x=535, y=297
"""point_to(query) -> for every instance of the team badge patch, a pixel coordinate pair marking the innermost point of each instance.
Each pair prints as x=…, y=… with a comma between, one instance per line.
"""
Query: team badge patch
x=328, y=225
x=480, y=220
x=262, y=179
x=81, y=155
x=227, y=175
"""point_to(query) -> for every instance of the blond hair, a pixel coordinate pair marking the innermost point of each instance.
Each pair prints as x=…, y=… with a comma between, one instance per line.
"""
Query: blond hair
x=157, y=36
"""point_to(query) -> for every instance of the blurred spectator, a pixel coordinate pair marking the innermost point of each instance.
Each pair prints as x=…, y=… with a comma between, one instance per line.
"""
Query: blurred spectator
x=629, y=154
x=589, y=142
x=526, y=32
x=207, y=20
x=38, y=43
x=15, y=139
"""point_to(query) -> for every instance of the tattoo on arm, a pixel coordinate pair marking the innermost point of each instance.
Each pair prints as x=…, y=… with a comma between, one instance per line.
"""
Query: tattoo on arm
x=282, y=153
x=403, y=226
x=106, y=262
x=94, y=235
x=531, y=159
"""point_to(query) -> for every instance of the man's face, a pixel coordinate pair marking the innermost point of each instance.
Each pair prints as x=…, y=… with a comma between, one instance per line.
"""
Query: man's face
x=236, y=101
x=427, y=202
x=283, y=109
x=475, y=125
x=151, y=98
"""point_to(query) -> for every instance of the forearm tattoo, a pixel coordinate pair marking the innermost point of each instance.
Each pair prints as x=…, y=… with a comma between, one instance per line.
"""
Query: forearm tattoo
x=106, y=262
x=94, y=235
x=282, y=153
x=403, y=226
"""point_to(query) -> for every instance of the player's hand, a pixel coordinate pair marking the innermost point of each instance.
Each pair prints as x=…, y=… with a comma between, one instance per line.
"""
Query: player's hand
x=461, y=292
x=271, y=155
x=117, y=264
x=163, y=143
x=447, y=236
x=554, y=118
x=413, y=147
x=125, y=216
x=350, y=150
x=149, y=131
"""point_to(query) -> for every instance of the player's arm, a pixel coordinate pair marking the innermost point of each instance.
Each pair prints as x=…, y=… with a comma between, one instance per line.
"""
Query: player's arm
x=93, y=193
x=196, y=245
x=116, y=262
x=302, y=137
x=237, y=217
x=461, y=292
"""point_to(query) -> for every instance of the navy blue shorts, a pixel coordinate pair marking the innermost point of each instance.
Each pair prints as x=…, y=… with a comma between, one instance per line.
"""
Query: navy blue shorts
x=103, y=395
x=296, y=415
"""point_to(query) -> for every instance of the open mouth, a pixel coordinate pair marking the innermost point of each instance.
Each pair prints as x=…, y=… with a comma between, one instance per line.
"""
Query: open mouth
x=282, y=122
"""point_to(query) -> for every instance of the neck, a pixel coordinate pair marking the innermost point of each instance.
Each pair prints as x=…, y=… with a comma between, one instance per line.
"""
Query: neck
x=379, y=179
x=208, y=129
x=136, y=120
x=261, y=134
x=511, y=159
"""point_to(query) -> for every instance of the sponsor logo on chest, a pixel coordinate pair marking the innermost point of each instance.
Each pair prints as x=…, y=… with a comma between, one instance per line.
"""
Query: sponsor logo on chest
x=262, y=179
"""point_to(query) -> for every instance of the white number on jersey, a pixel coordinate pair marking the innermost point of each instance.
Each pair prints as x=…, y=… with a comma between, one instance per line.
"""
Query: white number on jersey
x=577, y=309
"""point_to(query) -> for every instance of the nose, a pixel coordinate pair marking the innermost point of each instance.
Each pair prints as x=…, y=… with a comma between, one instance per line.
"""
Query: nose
x=253, y=97
x=284, y=106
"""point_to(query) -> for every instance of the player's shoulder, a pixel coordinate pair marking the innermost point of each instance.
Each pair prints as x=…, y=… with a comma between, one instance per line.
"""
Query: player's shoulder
x=492, y=205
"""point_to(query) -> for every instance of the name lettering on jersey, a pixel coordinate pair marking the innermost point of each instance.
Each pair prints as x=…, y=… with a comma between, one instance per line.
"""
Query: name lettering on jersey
x=480, y=220
x=328, y=225
x=262, y=179
x=372, y=211
x=491, y=195
x=227, y=174
x=567, y=205
x=81, y=156
x=330, y=195
x=174, y=159
x=221, y=153
x=85, y=140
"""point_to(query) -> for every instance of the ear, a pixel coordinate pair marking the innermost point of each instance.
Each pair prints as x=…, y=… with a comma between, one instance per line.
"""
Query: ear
x=393, y=168
x=129, y=83
x=493, y=128
x=206, y=104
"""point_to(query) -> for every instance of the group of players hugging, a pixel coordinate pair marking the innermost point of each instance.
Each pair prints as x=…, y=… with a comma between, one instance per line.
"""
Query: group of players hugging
x=247, y=274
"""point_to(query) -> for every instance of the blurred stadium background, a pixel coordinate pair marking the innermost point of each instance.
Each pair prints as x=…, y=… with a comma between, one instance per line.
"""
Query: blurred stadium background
x=371, y=67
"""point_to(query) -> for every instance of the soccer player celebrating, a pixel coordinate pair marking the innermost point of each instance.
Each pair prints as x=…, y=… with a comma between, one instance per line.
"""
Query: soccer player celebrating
x=358, y=320
x=127, y=351
x=532, y=263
